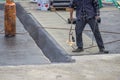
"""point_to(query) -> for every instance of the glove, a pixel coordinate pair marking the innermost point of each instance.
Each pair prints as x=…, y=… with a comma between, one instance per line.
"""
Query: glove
x=99, y=20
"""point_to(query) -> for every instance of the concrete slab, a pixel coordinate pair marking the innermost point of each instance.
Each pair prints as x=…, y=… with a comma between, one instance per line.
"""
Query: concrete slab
x=99, y=67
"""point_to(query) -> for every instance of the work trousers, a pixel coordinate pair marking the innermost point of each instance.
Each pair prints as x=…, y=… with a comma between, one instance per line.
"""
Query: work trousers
x=80, y=25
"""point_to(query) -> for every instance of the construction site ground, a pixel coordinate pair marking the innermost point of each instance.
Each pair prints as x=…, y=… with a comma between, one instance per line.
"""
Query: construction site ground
x=22, y=59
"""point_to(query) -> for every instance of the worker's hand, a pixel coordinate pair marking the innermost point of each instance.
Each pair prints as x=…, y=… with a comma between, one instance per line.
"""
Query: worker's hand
x=98, y=19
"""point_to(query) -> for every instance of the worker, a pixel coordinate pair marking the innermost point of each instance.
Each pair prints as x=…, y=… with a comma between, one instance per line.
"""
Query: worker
x=87, y=11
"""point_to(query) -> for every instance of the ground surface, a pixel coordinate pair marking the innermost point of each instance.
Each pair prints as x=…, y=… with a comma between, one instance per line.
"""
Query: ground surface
x=85, y=67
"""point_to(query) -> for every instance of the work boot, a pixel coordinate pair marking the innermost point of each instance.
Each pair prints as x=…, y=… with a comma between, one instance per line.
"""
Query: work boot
x=78, y=50
x=103, y=51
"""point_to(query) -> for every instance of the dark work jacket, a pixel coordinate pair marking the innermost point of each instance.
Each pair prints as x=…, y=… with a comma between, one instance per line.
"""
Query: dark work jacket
x=91, y=8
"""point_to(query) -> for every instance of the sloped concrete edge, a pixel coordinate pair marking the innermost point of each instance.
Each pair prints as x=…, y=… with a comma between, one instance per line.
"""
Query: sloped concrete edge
x=46, y=43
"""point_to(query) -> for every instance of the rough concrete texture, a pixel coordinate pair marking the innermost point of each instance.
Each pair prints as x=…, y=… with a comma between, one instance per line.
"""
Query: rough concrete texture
x=99, y=67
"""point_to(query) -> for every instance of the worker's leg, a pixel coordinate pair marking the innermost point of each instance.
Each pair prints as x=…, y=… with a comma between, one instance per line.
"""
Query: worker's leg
x=80, y=24
x=95, y=29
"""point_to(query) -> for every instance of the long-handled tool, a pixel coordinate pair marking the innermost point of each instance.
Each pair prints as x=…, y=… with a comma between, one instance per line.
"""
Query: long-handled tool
x=71, y=40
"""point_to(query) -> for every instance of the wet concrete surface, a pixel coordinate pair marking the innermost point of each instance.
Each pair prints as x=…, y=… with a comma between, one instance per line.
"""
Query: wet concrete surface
x=21, y=49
